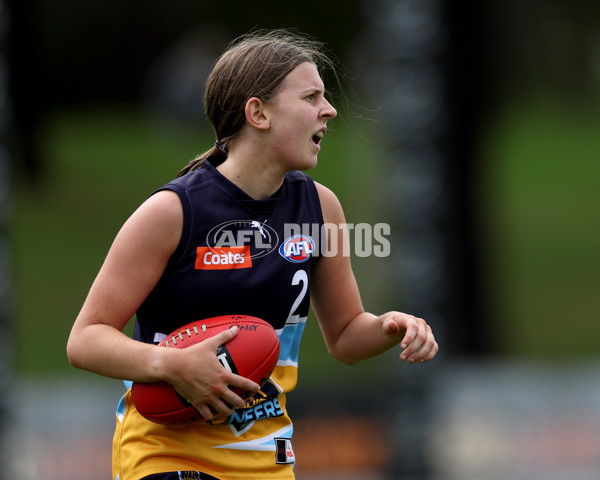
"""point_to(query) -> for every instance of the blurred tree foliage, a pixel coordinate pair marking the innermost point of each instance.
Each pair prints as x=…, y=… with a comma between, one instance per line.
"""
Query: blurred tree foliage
x=544, y=48
x=101, y=49
x=69, y=53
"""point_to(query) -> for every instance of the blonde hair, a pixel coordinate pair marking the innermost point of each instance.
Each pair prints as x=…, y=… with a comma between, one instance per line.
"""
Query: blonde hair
x=253, y=65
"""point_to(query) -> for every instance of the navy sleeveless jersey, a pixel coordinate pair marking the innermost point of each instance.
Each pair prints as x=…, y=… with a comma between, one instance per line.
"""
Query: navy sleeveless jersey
x=236, y=255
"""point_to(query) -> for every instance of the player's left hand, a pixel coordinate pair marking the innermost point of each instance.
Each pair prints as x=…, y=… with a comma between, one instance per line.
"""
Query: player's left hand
x=415, y=336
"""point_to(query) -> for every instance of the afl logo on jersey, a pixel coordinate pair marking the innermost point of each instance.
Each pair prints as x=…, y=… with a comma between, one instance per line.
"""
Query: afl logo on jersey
x=259, y=237
x=297, y=249
x=235, y=244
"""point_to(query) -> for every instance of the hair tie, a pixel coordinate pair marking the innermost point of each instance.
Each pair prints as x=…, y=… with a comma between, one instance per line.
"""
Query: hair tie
x=221, y=147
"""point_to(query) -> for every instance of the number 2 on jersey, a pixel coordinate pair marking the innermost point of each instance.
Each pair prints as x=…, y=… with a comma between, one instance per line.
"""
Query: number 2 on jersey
x=300, y=277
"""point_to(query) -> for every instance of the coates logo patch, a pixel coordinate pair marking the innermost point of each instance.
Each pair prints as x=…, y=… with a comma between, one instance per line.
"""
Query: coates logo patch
x=223, y=258
x=297, y=249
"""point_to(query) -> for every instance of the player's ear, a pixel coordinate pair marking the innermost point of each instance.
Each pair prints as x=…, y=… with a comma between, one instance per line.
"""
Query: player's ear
x=256, y=115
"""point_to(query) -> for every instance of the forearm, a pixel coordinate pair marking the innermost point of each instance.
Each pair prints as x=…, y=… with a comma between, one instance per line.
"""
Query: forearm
x=350, y=333
x=362, y=338
x=104, y=350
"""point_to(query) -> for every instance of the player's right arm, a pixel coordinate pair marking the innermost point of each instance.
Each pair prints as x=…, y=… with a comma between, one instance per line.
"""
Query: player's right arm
x=133, y=266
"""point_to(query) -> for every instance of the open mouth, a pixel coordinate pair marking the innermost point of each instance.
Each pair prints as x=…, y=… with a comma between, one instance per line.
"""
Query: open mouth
x=317, y=137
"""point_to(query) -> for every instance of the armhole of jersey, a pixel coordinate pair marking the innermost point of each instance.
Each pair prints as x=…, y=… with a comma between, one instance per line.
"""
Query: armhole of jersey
x=186, y=231
x=316, y=207
x=316, y=200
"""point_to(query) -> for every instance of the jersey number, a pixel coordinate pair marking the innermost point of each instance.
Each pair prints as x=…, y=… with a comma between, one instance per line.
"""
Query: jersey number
x=300, y=277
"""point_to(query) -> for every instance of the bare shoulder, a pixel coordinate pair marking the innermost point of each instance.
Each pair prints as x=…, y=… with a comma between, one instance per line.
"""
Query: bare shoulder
x=164, y=202
x=161, y=210
x=330, y=205
x=156, y=224
x=325, y=194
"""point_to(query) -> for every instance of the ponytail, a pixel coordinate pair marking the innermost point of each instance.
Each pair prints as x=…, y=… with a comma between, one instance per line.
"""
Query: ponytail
x=220, y=149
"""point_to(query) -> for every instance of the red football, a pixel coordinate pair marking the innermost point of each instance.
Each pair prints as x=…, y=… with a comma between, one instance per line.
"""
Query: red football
x=253, y=353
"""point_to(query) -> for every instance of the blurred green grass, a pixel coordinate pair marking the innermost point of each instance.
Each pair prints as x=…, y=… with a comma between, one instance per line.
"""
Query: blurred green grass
x=100, y=165
x=537, y=184
x=540, y=188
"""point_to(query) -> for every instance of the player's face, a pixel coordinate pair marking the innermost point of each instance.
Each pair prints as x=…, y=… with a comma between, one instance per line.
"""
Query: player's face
x=299, y=113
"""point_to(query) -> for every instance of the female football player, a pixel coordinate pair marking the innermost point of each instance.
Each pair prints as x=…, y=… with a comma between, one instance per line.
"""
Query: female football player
x=266, y=101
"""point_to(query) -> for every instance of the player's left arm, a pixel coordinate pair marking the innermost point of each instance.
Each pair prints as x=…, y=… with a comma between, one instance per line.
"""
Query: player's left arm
x=350, y=333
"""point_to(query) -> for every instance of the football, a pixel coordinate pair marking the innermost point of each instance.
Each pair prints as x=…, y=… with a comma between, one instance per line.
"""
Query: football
x=252, y=353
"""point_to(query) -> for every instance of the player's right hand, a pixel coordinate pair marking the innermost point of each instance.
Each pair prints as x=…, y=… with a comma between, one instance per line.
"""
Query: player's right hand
x=199, y=377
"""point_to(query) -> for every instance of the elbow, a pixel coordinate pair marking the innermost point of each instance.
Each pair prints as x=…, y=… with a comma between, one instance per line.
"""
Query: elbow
x=348, y=361
x=341, y=356
x=73, y=353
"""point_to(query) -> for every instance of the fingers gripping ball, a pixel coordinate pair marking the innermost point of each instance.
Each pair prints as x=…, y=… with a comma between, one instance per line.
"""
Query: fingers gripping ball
x=252, y=353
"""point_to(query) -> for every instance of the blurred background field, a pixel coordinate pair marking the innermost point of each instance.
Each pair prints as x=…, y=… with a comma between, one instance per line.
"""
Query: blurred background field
x=99, y=124
x=539, y=185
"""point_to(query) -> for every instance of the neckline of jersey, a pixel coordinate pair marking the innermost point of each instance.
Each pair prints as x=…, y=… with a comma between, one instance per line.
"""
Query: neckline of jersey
x=256, y=206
